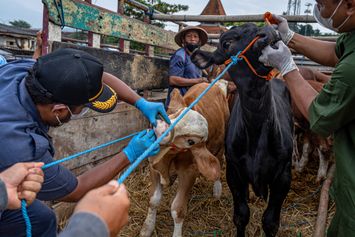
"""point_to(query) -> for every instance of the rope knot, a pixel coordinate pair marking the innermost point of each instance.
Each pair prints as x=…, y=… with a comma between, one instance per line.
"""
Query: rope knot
x=235, y=59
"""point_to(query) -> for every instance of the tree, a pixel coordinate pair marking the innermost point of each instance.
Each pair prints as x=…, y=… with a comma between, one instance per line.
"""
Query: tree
x=135, y=13
x=20, y=23
x=231, y=24
x=158, y=5
x=307, y=29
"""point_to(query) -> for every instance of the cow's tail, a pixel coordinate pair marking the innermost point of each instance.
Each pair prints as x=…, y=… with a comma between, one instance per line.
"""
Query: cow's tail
x=260, y=184
x=261, y=190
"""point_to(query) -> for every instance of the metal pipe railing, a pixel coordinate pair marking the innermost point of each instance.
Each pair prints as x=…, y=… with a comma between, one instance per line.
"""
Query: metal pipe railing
x=213, y=38
x=230, y=18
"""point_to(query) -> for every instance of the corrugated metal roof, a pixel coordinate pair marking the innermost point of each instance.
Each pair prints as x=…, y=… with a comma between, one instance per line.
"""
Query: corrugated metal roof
x=16, y=30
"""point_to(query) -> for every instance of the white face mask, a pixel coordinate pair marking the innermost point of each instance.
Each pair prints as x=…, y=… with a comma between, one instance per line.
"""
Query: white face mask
x=328, y=22
x=80, y=115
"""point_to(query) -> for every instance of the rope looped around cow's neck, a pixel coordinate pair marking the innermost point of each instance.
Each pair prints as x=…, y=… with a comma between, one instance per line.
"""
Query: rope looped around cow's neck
x=241, y=56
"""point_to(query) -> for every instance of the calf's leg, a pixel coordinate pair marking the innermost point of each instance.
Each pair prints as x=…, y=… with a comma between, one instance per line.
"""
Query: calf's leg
x=155, y=198
x=305, y=153
x=278, y=192
x=239, y=190
x=186, y=180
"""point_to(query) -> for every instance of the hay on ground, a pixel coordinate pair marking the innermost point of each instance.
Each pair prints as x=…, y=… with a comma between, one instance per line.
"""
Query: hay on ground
x=210, y=217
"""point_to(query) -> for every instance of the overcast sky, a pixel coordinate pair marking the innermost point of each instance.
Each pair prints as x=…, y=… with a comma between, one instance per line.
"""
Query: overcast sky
x=31, y=10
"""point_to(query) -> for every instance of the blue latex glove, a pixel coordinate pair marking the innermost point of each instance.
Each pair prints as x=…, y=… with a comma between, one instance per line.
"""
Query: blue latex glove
x=152, y=110
x=139, y=144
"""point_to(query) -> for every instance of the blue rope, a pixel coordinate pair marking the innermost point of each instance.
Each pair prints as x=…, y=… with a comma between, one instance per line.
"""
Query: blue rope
x=87, y=151
x=23, y=202
x=130, y=169
x=26, y=218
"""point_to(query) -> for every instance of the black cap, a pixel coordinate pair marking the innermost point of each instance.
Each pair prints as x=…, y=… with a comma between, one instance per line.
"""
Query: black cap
x=74, y=77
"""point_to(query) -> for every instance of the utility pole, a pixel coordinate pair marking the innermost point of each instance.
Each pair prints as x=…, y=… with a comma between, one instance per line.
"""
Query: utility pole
x=294, y=7
x=307, y=11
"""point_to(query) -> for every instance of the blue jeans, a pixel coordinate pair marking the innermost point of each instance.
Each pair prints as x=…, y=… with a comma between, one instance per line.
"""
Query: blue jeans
x=42, y=218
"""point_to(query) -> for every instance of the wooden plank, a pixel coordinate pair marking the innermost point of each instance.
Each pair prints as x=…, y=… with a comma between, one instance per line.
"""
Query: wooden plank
x=137, y=71
x=95, y=129
x=81, y=15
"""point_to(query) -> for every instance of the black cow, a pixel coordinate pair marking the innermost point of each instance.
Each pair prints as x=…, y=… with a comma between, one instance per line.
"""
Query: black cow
x=259, y=137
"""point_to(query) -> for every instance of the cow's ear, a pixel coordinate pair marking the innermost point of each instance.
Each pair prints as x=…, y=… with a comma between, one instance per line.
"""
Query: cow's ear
x=206, y=162
x=176, y=102
x=267, y=36
x=202, y=59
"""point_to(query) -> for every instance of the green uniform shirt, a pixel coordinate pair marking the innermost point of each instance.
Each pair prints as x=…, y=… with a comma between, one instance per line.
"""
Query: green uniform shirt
x=333, y=113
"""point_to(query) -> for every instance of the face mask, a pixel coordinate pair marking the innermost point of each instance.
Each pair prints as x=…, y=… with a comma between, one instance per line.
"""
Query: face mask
x=192, y=47
x=328, y=22
x=79, y=115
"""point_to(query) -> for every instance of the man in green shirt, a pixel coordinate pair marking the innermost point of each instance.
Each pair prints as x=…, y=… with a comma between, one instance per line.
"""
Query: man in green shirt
x=331, y=112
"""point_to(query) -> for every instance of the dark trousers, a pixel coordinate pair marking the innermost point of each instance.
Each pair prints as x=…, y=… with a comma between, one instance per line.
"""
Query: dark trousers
x=42, y=218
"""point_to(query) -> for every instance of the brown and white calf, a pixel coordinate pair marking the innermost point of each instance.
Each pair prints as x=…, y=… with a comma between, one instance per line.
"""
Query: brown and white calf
x=196, y=146
x=310, y=141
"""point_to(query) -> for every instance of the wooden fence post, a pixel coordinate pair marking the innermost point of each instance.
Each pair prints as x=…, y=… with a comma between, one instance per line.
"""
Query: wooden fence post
x=123, y=44
x=94, y=40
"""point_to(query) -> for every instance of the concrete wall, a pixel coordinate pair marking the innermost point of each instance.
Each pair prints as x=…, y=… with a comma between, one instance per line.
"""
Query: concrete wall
x=137, y=71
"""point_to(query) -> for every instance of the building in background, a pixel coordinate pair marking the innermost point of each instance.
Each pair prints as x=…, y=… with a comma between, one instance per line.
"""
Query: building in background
x=17, y=42
x=213, y=7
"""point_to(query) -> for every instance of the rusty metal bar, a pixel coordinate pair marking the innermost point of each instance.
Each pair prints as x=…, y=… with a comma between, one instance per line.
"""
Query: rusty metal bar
x=90, y=33
x=120, y=7
x=230, y=18
x=123, y=45
x=149, y=49
x=45, y=24
x=213, y=38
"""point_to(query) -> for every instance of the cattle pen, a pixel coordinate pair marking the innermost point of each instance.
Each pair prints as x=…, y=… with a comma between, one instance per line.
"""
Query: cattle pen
x=147, y=73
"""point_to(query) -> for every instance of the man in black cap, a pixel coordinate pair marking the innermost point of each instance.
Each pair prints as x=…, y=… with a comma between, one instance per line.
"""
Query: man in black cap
x=182, y=72
x=37, y=95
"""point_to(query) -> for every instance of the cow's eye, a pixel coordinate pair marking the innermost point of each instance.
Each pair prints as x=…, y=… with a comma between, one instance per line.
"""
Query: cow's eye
x=191, y=142
x=226, y=45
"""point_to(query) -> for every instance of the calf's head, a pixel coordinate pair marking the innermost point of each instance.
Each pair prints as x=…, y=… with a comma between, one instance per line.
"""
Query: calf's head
x=189, y=135
x=236, y=40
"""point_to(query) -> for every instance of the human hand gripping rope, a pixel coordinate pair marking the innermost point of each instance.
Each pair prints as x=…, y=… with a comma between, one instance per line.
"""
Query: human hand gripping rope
x=23, y=202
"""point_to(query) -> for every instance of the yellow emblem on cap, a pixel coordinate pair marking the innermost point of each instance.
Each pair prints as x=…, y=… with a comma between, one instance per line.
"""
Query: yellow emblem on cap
x=106, y=104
